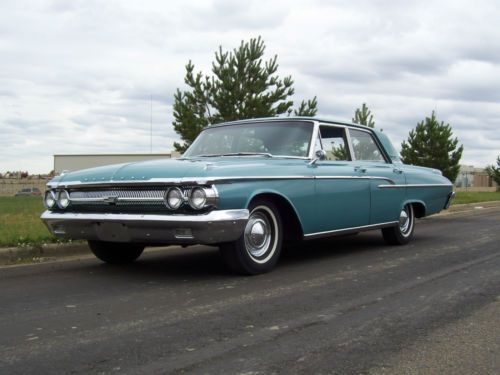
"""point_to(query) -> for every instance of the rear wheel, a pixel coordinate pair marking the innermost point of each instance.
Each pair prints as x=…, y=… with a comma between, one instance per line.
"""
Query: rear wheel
x=116, y=252
x=403, y=232
x=258, y=249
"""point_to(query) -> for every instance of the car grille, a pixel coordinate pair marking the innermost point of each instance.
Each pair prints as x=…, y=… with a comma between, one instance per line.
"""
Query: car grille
x=123, y=196
x=122, y=200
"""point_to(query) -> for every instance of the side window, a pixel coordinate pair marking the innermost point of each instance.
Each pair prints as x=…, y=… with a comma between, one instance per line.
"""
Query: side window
x=334, y=142
x=364, y=147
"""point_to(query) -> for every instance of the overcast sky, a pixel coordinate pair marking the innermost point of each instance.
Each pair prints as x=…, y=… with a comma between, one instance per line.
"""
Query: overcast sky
x=77, y=76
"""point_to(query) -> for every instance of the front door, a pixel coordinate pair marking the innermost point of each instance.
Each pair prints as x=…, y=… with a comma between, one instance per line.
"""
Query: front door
x=342, y=194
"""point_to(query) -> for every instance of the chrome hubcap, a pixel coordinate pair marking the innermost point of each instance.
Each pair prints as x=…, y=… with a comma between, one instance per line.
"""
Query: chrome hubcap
x=404, y=221
x=257, y=235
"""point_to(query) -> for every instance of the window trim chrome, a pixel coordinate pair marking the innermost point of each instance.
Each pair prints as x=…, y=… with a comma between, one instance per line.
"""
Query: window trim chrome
x=314, y=137
x=309, y=153
x=347, y=135
x=381, y=149
x=349, y=143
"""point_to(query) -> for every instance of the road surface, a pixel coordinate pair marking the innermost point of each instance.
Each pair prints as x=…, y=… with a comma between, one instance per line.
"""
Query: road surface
x=349, y=305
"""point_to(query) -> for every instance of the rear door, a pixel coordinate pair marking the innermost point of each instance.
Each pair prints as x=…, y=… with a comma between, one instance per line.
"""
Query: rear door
x=387, y=181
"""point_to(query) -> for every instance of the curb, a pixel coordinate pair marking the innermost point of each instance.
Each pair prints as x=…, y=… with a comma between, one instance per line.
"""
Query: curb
x=459, y=208
x=41, y=253
x=48, y=252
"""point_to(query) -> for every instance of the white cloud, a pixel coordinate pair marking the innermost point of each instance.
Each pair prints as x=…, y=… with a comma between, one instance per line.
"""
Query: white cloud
x=76, y=77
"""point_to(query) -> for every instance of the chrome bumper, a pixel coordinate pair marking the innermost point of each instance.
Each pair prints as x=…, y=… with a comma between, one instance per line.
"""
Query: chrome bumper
x=214, y=227
x=449, y=200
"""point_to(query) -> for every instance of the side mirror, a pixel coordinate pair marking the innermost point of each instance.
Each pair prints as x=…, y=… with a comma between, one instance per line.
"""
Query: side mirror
x=321, y=154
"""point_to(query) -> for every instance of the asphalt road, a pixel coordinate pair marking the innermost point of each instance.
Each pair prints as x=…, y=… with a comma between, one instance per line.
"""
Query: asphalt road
x=348, y=305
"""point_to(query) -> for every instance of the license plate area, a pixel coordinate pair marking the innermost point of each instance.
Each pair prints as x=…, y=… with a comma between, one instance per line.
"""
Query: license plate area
x=112, y=232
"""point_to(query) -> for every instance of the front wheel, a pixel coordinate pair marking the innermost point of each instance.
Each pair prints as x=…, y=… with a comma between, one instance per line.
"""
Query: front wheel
x=259, y=247
x=403, y=232
x=116, y=252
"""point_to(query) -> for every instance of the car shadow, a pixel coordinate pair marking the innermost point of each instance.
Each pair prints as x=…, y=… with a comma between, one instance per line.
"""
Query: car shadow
x=333, y=247
x=204, y=262
x=196, y=262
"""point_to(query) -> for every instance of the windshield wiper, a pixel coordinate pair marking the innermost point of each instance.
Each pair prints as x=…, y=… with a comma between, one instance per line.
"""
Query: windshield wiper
x=266, y=154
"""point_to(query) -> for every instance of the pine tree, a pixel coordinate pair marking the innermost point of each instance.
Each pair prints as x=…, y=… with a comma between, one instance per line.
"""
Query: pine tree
x=242, y=86
x=494, y=172
x=430, y=144
x=363, y=116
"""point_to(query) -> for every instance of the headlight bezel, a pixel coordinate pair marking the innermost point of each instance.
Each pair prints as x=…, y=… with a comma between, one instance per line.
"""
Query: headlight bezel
x=60, y=201
x=192, y=197
x=186, y=195
x=52, y=195
x=167, y=201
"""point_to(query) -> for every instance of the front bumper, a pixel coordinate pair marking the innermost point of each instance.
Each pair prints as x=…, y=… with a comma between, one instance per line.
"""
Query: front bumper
x=211, y=228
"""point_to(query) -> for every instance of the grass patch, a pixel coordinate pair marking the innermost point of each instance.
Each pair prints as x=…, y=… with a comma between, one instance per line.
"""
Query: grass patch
x=20, y=223
x=475, y=197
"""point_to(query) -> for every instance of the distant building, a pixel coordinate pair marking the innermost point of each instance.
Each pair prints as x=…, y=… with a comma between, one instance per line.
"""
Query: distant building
x=77, y=162
x=474, y=178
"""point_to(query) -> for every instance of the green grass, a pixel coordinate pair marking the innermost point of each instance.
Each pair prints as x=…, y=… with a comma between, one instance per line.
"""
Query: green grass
x=20, y=223
x=474, y=197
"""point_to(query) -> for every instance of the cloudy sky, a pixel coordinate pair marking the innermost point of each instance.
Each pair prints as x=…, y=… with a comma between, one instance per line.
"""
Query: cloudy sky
x=77, y=76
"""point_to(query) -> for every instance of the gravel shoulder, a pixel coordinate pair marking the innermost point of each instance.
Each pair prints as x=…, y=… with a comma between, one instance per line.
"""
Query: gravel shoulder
x=469, y=346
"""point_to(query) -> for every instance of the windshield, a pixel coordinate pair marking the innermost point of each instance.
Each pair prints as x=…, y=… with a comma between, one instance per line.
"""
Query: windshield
x=280, y=138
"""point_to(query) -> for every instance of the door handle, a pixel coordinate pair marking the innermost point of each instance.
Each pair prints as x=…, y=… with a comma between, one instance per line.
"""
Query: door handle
x=360, y=169
x=397, y=170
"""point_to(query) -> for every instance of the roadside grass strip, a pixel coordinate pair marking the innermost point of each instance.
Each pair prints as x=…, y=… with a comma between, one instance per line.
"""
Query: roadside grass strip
x=476, y=197
x=20, y=223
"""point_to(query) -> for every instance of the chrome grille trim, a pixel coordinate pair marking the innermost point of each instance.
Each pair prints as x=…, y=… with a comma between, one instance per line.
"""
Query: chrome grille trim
x=110, y=196
x=114, y=196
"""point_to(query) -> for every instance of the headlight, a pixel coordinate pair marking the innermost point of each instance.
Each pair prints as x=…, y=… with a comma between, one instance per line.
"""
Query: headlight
x=198, y=198
x=174, y=198
x=63, y=199
x=49, y=200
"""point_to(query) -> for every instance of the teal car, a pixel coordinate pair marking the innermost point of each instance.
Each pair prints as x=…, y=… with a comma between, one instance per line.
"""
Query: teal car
x=248, y=187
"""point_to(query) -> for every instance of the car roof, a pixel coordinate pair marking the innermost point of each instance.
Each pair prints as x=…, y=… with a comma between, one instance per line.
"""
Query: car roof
x=294, y=118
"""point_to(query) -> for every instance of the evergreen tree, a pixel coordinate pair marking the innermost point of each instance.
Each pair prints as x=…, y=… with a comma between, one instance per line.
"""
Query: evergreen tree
x=430, y=144
x=307, y=109
x=242, y=86
x=494, y=172
x=363, y=116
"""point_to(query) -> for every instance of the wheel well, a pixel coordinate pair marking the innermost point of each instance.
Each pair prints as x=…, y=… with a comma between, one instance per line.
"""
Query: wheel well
x=419, y=209
x=292, y=229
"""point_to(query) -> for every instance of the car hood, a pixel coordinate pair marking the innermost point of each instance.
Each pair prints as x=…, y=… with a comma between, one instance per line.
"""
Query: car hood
x=182, y=169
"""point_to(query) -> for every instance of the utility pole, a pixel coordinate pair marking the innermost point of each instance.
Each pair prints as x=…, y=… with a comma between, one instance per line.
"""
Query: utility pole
x=151, y=127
